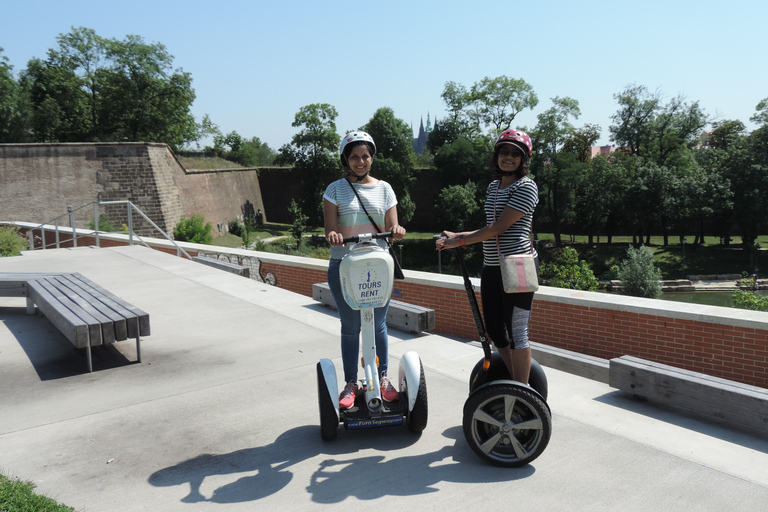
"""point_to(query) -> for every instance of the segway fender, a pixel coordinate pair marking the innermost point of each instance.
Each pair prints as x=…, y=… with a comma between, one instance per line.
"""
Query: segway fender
x=410, y=371
x=329, y=376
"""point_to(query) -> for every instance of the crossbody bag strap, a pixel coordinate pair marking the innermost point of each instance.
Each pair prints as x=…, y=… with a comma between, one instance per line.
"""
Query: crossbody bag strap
x=375, y=226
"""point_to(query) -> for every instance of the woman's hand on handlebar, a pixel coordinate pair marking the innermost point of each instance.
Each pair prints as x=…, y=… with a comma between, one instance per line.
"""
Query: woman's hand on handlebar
x=335, y=238
x=398, y=232
x=447, y=240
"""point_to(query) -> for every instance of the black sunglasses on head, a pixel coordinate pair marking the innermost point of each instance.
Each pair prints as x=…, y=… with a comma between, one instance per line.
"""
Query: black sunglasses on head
x=510, y=151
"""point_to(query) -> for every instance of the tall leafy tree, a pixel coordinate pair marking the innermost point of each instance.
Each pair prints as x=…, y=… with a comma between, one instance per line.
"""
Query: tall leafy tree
x=497, y=101
x=554, y=126
x=14, y=110
x=313, y=149
x=394, y=157
x=95, y=89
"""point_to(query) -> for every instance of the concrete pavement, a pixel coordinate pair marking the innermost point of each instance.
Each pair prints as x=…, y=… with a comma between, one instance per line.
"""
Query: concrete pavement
x=222, y=414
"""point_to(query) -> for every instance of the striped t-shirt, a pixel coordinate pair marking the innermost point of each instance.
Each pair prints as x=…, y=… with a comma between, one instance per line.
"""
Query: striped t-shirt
x=523, y=196
x=378, y=199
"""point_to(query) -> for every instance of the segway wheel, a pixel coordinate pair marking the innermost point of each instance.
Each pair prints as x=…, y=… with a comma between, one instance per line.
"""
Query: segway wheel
x=498, y=371
x=329, y=424
x=416, y=419
x=506, y=424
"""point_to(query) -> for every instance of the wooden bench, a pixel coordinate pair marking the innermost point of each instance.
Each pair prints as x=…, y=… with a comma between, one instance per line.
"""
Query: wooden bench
x=239, y=270
x=87, y=314
x=401, y=315
x=697, y=393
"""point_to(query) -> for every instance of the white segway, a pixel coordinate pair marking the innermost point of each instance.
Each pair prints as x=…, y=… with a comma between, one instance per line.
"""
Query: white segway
x=366, y=275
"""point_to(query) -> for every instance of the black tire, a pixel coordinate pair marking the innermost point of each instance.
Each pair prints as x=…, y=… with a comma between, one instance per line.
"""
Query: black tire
x=329, y=423
x=416, y=420
x=506, y=424
x=498, y=371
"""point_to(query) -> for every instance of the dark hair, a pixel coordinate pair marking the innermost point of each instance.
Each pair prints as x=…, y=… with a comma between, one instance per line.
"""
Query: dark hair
x=522, y=169
x=349, y=147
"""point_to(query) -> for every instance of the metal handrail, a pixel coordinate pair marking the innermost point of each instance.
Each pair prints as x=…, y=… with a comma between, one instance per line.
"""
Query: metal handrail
x=70, y=213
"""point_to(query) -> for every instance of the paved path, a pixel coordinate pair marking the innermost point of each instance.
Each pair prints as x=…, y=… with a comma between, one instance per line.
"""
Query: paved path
x=222, y=415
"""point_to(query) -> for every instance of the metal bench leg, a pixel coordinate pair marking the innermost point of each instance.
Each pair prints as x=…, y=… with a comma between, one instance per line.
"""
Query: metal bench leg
x=138, y=348
x=90, y=360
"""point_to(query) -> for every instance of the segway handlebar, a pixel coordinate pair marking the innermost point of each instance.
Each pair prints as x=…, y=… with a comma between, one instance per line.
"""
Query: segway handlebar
x=366, y=236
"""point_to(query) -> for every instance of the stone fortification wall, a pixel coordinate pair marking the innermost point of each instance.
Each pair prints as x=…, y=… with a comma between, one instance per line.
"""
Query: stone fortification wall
x=38, y=181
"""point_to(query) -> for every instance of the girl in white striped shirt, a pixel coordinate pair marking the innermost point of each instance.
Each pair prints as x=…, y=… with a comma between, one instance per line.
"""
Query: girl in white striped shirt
x=343, y=217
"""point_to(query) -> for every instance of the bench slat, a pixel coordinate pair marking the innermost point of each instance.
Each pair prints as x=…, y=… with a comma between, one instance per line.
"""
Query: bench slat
x=116, y=313
x=73, y=291
x=140, y=324
x=70, y=324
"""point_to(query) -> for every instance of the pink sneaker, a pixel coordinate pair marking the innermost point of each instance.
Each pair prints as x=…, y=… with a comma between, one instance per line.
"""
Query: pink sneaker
x=388, y=391
x=347, y=398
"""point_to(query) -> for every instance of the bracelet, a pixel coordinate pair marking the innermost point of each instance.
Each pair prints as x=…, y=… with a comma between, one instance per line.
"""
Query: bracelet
x=462, y=242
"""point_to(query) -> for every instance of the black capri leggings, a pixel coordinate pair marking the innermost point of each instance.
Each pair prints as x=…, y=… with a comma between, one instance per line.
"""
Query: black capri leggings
x=506, y=315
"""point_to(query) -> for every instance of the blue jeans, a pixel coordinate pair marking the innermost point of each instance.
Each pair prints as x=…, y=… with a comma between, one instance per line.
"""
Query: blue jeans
x=350, y=328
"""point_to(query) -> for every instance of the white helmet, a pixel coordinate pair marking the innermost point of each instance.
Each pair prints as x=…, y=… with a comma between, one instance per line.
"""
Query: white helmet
x=357, y=136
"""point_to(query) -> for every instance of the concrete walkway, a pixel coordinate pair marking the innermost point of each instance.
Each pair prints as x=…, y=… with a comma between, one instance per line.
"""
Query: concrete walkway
x=222, y=415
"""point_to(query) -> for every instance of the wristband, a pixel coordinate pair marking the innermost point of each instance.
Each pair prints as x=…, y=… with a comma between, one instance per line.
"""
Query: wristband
x=462, y=242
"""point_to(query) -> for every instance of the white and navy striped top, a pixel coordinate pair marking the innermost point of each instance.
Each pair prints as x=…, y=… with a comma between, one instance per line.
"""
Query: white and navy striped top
x=523, y=196
x=378, y=199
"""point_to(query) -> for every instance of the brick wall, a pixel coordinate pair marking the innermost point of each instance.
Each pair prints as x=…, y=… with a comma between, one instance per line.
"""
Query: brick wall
x=722, y=342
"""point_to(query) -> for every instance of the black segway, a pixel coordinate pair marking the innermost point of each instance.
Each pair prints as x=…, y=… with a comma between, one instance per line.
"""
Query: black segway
x=506, y=423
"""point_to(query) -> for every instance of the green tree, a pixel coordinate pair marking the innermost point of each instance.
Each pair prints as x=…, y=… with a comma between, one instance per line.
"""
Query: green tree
x=248, y=153
x=96, y=89
x=554, y=126
x=497, y=101
x=394, y=157
x=299, y=225
x=662, y=133
x=567, y=271
x=194, y=230
x=639, y=275
x=14, y=109
x=457, y=206
x=11, y=242
x=314, y=150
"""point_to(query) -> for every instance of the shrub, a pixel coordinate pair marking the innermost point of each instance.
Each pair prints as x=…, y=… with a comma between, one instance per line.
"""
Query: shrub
x=11, y=242
x=456, y=206
x=567, y=271
x=299, y=225
x=639, y=275
x=235, y=227
x=104, y=224
x=749, y=300
x=194, y=230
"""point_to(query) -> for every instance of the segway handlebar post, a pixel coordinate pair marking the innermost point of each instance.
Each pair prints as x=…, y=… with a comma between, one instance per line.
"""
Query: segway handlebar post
x=470, y=289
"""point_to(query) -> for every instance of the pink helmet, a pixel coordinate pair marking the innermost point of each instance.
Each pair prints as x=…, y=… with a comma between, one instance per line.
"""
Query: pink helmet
x=517, y=137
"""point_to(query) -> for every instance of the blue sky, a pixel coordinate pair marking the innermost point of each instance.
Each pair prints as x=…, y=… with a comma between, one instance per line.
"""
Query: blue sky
x=255, y=64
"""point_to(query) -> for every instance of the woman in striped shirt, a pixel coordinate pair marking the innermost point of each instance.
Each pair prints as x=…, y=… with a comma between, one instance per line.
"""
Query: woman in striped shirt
x=509, y=207
x=344, y=216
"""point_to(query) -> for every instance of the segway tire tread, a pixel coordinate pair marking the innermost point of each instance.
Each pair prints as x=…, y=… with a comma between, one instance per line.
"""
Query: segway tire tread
x=506, y=424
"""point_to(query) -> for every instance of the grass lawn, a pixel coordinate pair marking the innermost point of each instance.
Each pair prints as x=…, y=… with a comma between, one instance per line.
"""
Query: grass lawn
x=18, y=496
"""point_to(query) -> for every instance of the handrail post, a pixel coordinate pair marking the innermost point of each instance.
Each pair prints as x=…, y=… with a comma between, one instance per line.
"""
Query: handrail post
x=42, y=234
x=72, y=225
x=58, y=244
x=96, y=221
x=130, y=223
